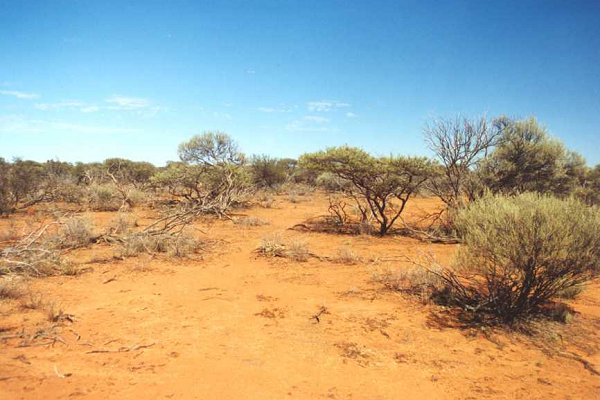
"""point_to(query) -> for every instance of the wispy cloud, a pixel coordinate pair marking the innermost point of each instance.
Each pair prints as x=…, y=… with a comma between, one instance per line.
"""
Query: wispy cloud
x=282, y=109
x=68, y=105
x=351, y=115
x=16, y=124
x=127, y=103
x=316, y=118
x=325, y=105
x=19, y=95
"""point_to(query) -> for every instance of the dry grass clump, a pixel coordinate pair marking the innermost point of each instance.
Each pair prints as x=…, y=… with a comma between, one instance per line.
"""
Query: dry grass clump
x=104, y=198
x=345, y=255
x=298, y=251
x=122, y=224
x=265, y=200
x=73, y=232
x=11, y=288
x=250, y=221
x=274, y=245
x=179, y=245
x=415, y=281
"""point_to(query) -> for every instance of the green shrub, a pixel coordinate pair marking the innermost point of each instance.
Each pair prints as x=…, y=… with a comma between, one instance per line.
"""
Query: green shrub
x=521, y=252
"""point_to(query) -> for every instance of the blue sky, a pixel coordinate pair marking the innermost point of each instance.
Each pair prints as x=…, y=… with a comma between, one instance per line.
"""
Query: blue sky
x=87, y=80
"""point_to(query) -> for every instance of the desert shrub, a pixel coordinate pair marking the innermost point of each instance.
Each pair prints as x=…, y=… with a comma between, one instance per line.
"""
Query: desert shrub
x=345, y=255
x=174, y=245
x=520, y=252
x=11, y=288
x=250, y=221
x=297, y=251
x=272, y=246
x=104, y=198
x=73, y=232
x=267, y=171
x=122, y=224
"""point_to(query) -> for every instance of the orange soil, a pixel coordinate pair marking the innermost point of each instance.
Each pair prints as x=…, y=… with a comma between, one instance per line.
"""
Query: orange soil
x=237, y=326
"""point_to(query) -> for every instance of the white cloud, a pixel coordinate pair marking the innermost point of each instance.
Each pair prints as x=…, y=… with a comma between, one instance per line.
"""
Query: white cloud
x=350, y=115
x=325, y=105
x=67, y=105
x=127, y=103
x=19, y=95
x=16, y=124
x=282, y=109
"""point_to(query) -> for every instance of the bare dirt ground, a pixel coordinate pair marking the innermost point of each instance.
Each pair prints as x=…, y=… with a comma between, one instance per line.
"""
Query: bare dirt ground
x=235, y=325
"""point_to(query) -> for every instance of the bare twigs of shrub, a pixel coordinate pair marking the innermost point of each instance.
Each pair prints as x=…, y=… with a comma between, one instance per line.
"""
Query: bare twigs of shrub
x=32, y=255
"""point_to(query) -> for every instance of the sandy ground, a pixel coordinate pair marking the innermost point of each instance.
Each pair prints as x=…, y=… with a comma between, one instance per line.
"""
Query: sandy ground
x=234, y=325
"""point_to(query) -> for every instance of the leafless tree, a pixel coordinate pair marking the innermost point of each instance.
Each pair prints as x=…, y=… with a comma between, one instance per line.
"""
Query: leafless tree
x=459, y=144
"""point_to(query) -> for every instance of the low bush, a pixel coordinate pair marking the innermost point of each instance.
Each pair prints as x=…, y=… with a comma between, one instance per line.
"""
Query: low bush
x=519, y=253
x=179, y=245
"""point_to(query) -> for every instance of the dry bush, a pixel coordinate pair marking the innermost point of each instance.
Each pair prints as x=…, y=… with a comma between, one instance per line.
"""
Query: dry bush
x=250, y=221
x=122, y=224
x=265, y=200
x=104, y=198
x=73, y=232
x=35, y=254
x=272, y=246
x=174, y=245
x=11, y=288
x=297, y=251
x=345, y=255
x=415, y=281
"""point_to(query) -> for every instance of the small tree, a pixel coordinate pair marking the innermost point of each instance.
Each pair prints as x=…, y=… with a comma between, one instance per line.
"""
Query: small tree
x=528, y=160
x=381, y=187
x=211, y=177
x=268, y=171
x=521, y=252
x=459, y=144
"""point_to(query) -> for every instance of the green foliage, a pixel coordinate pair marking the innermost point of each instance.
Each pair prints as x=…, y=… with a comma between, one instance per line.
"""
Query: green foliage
x=268, y=172
x=210, y=148
x=211, y=177
x=380, y=186
x=528, y=160
x=520, y=252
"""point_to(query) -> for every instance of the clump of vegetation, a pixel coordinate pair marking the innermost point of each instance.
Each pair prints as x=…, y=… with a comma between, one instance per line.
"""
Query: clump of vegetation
x=174, y=245
x=379, y=186
x=345, y=255
x=274, y=245
x=104, y=198
x=11, y=288
x=519, y=253
x=73, y=232
x=250, y=221
x=122, y=224
x=297, y=251
x=426, y=284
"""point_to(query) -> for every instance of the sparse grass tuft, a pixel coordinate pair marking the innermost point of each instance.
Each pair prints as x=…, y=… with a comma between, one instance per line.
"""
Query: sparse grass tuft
x=272, y=246
x=298, y=251
x=345, y=255
x=11, y=288
x=180, y=245
x=250, y=221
